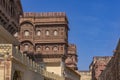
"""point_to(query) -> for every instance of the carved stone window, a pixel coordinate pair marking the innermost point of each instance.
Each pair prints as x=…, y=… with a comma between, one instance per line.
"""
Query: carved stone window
x=38, y=48
x=38, y=33
x=55, y=33
x=26, y=46
x=16, y=34
x=26, y=33
x=47, y=48
x=55, y=48
x=47, y=33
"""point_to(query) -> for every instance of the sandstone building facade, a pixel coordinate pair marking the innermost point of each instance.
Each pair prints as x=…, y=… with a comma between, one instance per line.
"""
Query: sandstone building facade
x=112, y=71
x=10, y=10
x=71, y=59
x=15, y=65
x=9, y=19
x=98, y=65
x=85, y=75
x=46, y=36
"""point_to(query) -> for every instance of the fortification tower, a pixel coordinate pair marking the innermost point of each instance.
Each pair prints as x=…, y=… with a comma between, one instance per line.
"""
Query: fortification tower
x=71, y=60
x=45, y=35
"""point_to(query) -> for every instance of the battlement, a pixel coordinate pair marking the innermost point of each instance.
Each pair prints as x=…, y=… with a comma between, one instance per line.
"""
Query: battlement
x=71, y=48
x=85, y=72
x=45, y=14
x=72, y=45
x=46, y=18
x=102, y=57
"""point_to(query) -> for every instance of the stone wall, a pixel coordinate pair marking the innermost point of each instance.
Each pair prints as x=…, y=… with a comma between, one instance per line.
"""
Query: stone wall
x=85, y=75
x=112, y=71
x=9, y=14
x=21, y=64
x=98, y=65
x=71, y=74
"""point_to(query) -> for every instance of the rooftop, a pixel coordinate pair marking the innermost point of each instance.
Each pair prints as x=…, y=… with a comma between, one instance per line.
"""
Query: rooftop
x=45, y=14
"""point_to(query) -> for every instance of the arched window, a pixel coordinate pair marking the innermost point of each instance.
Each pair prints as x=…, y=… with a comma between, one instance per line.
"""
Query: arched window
x=16, y=34
x=26, y=33
x=55, y=48
x=47, y=33
x=38, y=33
x=26, y=46
x=38, y=49
x=55, y=33
x=47, y=48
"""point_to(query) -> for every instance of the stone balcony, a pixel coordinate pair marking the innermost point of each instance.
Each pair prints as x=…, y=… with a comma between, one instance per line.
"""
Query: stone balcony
x=49, y=39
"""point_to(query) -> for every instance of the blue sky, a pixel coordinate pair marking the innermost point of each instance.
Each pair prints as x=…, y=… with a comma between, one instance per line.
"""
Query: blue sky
x=94, y=24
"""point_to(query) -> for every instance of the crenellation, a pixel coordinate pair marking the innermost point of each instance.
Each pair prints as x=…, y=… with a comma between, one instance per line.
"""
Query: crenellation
x=98, y=65
x=85, y=75
x=43, y=14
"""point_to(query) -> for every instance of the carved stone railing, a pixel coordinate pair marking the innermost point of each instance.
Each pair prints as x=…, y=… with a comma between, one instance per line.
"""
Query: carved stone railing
x=49, y=39
x=15, y=55
x=44, y=14
x=52, y=76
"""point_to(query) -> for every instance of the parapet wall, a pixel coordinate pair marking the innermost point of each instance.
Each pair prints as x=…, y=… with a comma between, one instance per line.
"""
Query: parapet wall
x=12, y=53
x=102, y=57
x=43, y=14
x=44, y=18
x=71, y=74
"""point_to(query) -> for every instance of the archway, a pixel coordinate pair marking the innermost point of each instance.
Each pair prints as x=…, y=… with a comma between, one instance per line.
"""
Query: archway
x=16, y=75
